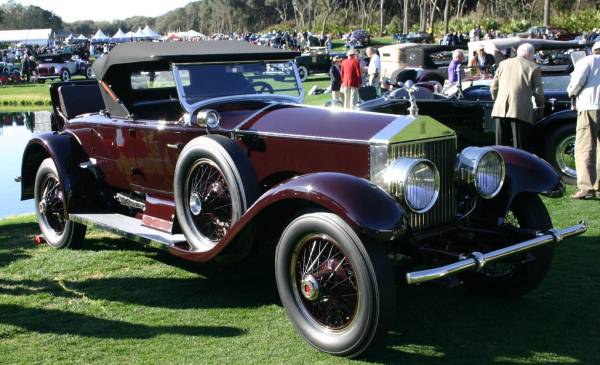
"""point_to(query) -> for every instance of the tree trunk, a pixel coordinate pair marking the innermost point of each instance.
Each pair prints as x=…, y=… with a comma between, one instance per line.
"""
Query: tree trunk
x=432, y=16
x=446, y=20
x=380, y=18
x=546, y=13
x=405, y=23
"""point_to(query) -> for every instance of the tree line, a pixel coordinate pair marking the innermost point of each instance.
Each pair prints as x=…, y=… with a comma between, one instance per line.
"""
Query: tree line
x=377, y=16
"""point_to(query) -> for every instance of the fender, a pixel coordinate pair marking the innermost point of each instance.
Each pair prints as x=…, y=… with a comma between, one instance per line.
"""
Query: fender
x=67, y=154
x=563, y=116
x=365, y=207
x=525, y=173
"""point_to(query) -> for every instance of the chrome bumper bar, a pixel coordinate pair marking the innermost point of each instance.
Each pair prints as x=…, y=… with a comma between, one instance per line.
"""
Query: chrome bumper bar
x=477, y=260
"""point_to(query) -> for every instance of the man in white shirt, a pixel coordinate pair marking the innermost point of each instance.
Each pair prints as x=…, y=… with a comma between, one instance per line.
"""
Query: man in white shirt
x=374, y=70
x=585, y=84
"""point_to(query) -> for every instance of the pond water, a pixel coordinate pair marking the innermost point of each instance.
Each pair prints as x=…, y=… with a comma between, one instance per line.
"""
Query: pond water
x=15, y=131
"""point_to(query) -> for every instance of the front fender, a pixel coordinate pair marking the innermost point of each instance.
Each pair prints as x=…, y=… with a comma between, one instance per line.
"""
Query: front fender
x=525, y=173
x=67, y=154
x=366, y=208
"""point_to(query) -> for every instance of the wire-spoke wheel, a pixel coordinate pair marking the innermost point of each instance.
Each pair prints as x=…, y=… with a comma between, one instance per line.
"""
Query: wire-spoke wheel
x=518, y=274
x=50, y=207
x=338, y=291
x=209, y=203
x=214, y=184
x=325, y=281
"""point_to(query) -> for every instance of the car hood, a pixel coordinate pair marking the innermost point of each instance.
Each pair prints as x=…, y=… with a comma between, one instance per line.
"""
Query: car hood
x=316, y=123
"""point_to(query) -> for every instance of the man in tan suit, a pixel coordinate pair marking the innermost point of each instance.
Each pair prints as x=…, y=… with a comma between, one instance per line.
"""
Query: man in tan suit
x=515, y=83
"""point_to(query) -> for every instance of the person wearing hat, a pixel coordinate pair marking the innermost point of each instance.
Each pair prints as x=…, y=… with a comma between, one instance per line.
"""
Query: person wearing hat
x=585, y=85
x=336, y=80
x=484, y=60
x=351, y=79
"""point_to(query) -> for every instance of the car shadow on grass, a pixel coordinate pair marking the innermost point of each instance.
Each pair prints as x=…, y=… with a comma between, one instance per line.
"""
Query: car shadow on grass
x=70, y=323
x=558, y=322
x=15, y=238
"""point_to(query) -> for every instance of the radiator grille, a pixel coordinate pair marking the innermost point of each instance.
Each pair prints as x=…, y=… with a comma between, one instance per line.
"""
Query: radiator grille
x=442, y=152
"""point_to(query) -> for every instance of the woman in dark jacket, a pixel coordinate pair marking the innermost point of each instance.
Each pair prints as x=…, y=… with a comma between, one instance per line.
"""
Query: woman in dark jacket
x=336, y=81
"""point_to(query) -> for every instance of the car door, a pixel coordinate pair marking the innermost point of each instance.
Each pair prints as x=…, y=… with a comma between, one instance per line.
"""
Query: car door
x=158, y=145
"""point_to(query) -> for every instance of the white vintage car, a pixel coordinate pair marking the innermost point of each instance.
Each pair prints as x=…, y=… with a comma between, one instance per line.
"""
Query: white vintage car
x=62, y=66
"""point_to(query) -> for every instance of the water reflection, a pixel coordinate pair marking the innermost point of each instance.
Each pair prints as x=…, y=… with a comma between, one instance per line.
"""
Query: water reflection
x=15, y=131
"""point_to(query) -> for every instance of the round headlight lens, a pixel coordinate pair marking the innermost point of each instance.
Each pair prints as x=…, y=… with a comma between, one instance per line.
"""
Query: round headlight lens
x=489, y=174
x=416, y=181
x=422, y=186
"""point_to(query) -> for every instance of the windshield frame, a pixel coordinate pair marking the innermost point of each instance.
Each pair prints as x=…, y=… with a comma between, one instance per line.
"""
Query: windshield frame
x=190, y=108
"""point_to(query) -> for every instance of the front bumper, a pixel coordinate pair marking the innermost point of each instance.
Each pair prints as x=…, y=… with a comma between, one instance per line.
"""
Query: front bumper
x=477, y=260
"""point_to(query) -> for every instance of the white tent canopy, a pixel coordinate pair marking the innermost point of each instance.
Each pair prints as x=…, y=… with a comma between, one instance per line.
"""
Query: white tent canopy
x=129, y=35
x=119, y=35
x=151, y=33
x=100, y=36
x=139, y=34
x=82, y=37
x=40, y=37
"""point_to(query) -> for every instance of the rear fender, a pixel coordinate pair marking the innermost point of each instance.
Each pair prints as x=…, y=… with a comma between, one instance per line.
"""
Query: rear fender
x=67, y=154
x=369, y=210
x=557, y=119
x=525, y=173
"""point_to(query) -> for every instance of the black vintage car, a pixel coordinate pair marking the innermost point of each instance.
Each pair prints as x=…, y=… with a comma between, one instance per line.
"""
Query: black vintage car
x=470, y=116
x=207, y=149
x=316, y=60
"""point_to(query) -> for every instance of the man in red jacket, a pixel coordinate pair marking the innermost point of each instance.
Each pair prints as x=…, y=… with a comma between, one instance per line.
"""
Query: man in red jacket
x=351, y=79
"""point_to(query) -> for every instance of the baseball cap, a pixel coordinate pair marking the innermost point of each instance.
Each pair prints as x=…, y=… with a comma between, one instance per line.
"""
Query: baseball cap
x=596, y=46
x=351, y=52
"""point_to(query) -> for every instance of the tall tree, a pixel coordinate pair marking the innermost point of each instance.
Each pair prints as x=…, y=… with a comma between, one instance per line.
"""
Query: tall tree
x=546, y=13
x=446, y=20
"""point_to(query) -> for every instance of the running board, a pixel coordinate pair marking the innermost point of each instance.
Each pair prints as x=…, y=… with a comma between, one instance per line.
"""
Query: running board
x=128, y=227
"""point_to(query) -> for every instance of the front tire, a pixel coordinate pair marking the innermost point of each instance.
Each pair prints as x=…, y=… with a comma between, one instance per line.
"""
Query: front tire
x=519, y=274
x=560, y=153
x=338, y=292
x=58, y=231
x=303, y=73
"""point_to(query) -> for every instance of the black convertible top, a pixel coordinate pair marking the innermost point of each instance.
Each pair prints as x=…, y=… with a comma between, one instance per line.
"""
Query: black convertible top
x=177, y=52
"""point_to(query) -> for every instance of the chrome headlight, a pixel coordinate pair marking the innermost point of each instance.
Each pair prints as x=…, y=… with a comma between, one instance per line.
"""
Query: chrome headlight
x=483, y=168
x=416, y=181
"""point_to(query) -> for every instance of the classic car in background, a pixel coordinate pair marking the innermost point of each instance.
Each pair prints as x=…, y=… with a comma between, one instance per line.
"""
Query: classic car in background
x=552, y=56
x=358, y=38
x=206, y=148
x=470, y=116
x=316, y=60
x=538, y=31
x=61, y=66
x=430, y=61
x=413, y=37
x=9, y=69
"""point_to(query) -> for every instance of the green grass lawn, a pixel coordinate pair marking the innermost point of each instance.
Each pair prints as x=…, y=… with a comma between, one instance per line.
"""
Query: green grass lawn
x=114, y=301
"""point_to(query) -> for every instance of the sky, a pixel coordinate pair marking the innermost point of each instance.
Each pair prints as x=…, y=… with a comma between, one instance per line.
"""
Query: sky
x=71, y=10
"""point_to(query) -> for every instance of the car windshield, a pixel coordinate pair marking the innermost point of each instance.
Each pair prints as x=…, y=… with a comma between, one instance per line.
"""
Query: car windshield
x=199, y=82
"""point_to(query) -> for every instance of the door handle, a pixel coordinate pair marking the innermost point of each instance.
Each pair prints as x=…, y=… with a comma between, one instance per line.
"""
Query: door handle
x=175, y=146
x=131, y=132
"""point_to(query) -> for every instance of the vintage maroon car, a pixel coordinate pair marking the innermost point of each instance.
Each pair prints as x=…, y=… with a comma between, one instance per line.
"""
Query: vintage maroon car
x=207, y=149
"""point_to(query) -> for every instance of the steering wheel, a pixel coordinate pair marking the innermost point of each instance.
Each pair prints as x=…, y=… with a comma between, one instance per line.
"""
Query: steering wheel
x=262, y=87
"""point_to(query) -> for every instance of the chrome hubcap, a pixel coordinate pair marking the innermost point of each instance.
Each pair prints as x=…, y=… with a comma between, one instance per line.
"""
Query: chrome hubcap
x=195, y=204
x=565, y=156
x=310, y=288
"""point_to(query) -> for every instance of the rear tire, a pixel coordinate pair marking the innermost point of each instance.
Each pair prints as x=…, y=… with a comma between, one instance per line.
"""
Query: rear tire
x=560, y=152
x=50, y=209
x=65, y=75
x=338, y=290
x=525, y=272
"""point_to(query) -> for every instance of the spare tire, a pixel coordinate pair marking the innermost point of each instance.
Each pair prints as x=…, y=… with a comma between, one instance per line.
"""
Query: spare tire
x=214, y=185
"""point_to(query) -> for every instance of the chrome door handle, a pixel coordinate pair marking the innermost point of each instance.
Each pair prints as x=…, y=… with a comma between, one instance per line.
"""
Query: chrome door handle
x=175, y=146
